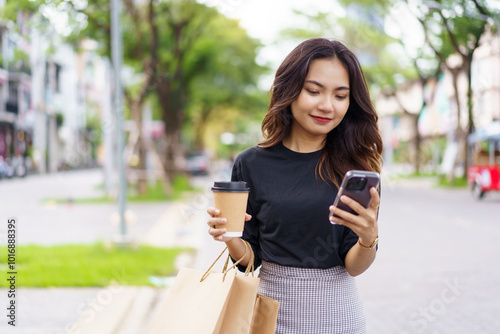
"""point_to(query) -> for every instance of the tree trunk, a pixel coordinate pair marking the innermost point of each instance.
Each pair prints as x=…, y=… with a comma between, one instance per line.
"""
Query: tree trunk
x=172, y=119
x=471, y=125
x=458, y=130
x=199, y=129
x=417, y=140
x=142, y=186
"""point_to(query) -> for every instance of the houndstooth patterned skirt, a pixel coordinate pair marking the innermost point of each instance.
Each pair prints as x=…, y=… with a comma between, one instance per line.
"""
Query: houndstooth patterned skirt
x=313, y=301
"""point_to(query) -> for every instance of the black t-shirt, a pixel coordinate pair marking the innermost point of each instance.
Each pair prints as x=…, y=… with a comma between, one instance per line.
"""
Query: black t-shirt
x=289, y=207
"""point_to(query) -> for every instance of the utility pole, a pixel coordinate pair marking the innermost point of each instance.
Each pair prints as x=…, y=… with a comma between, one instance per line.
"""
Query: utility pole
x=117, y=59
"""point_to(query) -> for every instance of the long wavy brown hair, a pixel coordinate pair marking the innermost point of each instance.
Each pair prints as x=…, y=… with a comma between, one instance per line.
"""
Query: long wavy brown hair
x=356, y=142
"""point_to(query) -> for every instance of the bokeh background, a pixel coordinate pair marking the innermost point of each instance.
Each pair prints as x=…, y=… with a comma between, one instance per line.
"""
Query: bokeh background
x=107, y=166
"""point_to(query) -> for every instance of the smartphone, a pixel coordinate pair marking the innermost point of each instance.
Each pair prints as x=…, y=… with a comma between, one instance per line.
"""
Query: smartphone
x=356, y=185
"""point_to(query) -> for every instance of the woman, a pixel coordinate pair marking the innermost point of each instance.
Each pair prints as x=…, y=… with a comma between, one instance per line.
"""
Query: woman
x=319, y=125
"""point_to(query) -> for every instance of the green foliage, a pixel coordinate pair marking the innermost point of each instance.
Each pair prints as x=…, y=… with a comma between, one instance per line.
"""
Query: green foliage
x=94, y=132
x=95, y=265
x=376, y=50
x=459, y=182
x=430, y=149
x=221, y=65
x=204, y=61
x=59, y=119
x=454, y=27
x=155, y=191
x=12, y=8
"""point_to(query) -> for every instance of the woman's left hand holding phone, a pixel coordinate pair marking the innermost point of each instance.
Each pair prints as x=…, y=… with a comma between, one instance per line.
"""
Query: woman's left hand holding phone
x=365, y=223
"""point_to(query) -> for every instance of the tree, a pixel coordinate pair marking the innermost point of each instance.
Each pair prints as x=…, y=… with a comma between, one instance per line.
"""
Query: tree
x=178, y=50
x=212, y=66
x=220, y=87
x=454, y=28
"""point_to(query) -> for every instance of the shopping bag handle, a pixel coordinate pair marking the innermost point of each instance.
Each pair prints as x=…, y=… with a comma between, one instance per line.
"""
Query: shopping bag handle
x=226, y=270
x=250, y=266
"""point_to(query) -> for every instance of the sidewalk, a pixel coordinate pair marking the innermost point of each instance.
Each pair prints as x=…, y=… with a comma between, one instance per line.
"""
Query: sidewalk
x=132, y=309
x=429, y=277
x=429, y=284
x=113, y=309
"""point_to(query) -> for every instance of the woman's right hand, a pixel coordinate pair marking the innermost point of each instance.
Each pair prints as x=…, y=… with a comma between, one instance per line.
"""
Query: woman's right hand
x=219, y=222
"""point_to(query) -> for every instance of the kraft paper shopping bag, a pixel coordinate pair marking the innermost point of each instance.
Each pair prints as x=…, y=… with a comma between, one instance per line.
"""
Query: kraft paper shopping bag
x=265, y=315
x=194, y=306
x=240, y=306
x=209, y=303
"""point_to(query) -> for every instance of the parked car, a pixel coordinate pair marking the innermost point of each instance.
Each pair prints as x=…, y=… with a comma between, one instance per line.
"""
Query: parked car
x=197, y=163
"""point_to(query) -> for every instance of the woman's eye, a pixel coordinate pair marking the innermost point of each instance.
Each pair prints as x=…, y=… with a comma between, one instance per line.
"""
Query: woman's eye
x=313, y=92
x=341, y=97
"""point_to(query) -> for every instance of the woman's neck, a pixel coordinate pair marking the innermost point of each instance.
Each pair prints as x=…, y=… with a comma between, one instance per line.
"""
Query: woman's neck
x=304, y=145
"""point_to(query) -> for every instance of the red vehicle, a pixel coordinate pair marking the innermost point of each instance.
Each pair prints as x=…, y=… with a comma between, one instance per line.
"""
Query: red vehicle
x=484, y=165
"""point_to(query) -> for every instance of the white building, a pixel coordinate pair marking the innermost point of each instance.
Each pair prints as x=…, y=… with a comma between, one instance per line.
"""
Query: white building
x=48, y=92
x=16, y=110
x=439, y=117
x=486, y=80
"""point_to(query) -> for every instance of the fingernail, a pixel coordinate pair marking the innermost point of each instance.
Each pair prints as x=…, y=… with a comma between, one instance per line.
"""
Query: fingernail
x=224, y=220
x=343, y=198
x=332, y=208
x=217, y=212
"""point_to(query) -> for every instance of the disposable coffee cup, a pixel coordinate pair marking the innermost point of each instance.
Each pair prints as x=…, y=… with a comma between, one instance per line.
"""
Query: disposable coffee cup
x=231, y=199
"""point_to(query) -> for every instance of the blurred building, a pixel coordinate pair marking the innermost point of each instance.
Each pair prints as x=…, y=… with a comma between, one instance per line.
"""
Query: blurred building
x=16, y=109
x=52, y=98
x=486, y=80
x=434, y=106
x=60, y=105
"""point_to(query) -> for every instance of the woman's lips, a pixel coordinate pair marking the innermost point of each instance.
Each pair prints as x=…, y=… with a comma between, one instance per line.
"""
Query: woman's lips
x=321, y=119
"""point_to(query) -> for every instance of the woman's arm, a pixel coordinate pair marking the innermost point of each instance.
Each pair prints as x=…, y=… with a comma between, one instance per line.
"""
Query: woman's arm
x=359, y=258
x=235, y=245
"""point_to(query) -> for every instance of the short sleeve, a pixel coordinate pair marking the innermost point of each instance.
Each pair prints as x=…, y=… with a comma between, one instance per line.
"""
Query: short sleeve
x=349, y=239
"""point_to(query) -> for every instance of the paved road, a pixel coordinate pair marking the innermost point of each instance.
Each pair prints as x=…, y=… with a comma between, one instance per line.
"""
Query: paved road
x=54, y=310
x=45, y=222
x=437, y=268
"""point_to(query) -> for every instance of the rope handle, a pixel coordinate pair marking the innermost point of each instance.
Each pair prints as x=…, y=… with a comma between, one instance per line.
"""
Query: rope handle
x=250, y=266
x=226, y=270
x=251, y=263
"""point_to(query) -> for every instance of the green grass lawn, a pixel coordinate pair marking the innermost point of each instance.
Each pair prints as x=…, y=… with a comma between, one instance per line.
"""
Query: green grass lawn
x=460, y=182
x=89, y=265
x=440, y=180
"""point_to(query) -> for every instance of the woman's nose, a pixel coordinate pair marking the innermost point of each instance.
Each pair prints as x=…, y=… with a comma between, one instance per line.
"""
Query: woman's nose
x=326, y=104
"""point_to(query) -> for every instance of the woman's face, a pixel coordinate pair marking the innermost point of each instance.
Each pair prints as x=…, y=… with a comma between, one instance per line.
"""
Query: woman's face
x=324, y=99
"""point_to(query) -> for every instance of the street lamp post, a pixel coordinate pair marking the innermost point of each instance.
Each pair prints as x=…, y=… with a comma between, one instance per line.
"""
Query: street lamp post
x=117, y=59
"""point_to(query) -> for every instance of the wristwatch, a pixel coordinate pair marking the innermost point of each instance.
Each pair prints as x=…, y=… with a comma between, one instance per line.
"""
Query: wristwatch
x=374, y=243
